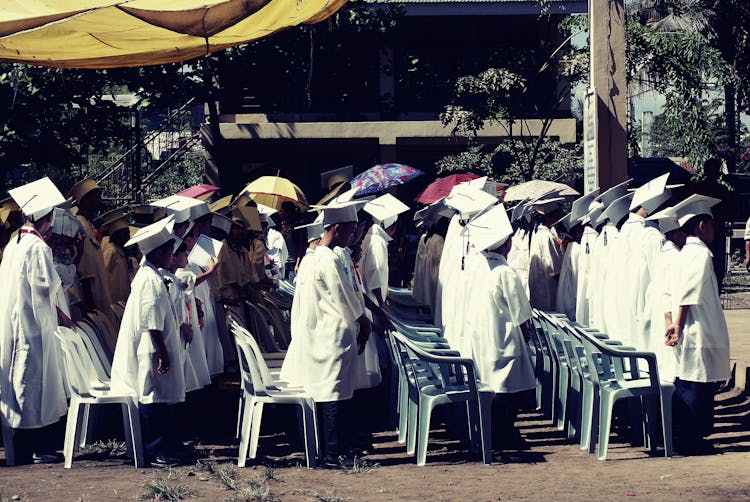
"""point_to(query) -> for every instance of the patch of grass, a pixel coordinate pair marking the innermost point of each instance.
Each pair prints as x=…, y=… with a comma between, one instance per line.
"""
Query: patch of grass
x=226, y=474
x=108, y=448
x=164, y=487
x=324, y=497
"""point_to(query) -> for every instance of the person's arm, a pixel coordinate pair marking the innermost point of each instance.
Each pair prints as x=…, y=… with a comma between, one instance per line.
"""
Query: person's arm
x=364, y=332
x=162, y=359
x=747, y=255
x=674, y=331
x=211, y=270
x=64, y=320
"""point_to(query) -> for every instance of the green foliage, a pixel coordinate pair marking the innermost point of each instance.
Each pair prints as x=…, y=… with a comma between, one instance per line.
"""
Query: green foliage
x=165, y=487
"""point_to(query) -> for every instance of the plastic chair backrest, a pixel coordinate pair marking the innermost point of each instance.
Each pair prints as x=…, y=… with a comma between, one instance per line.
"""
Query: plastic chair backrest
x=260, y=363
x=249, y=364
x=78, y=382
x=89, y=335
x=83, y=353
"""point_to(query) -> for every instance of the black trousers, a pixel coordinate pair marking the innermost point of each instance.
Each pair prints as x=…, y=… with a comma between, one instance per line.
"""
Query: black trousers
x=505, y=408
x=335, y=424
x=693, y=407
x=27, y=442
x=159, y=429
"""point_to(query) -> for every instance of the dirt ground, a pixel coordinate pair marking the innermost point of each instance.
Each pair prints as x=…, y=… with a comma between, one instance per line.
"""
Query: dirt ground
x=552, y=469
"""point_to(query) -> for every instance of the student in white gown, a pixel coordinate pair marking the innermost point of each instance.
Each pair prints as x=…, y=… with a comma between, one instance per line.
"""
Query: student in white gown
x=498, y=324
x=585, y=260
x=148, y=356
x=336, y=336
x=32, y=396
x=699, y=330
x=545, y=255
x=518, y=256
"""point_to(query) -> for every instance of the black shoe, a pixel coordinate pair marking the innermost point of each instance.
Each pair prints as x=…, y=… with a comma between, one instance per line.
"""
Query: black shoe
x=341, y=462
x=696, y=448
x=163, y=462
x=44, y=458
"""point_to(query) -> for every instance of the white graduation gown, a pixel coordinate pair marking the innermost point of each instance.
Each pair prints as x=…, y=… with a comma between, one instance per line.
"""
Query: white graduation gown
x=450, y=262
x=545, y=260
x=518, y=256
x=567, y=287
x=293, y=369
x=277, y=250
x=584, y=275
x=31, y=379
x=644, y=262
x=705, y=339
x=665, y=278
x=330, y=341
x=177, y=296
x=456, y=296
x=419, y=279
x=214, y=351
x=373, y=266
x=196, y=350
x=134, y=366
x=603, y=311
x=432, y=268
x=499, y=307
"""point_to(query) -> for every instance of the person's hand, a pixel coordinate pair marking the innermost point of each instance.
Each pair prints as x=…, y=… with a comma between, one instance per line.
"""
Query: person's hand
x=187, y=332
x=673, y=335
x=162, y=362
x=747, y=263
x=365, y=326
x=212, y=265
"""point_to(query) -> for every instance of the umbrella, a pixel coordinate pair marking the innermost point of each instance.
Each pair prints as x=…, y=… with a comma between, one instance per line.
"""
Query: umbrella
x=383, y=176
x=441, y=187
x=119, y=33
x=202, y=191
x=534, y=188
x=272, y=191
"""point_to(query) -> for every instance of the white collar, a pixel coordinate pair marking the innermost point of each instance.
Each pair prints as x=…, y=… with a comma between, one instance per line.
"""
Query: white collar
x=378, y=230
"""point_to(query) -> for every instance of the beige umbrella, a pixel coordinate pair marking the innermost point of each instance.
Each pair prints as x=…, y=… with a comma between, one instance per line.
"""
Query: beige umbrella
x=535, y=188
x=118, y=33
x=272, y=191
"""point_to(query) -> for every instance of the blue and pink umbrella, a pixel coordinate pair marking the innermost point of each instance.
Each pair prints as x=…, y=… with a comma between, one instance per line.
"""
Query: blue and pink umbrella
x=382, y=176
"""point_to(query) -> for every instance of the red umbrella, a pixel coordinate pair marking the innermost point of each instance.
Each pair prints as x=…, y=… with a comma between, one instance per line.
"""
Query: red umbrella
x=441, y=187
x=201, y=191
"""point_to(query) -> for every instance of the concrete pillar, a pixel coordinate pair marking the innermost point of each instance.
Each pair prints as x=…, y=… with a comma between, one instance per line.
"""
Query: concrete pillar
x=607, y=38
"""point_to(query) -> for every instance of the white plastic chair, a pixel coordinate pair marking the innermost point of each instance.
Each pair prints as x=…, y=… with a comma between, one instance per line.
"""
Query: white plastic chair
x=82, y=396
x=259, y=388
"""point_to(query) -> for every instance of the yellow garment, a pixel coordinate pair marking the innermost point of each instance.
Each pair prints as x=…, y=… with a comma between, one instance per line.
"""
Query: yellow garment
x=234, y=272
x=91, y=268
x=257, y=254
x=116, y=267
x=118, y=33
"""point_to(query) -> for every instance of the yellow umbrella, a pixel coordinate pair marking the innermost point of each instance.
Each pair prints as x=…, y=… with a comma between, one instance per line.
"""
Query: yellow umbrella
x=272, y=191
x=118, y=33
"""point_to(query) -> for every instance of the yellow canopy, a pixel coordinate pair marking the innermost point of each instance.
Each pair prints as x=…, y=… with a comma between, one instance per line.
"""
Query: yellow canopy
x=112, y=33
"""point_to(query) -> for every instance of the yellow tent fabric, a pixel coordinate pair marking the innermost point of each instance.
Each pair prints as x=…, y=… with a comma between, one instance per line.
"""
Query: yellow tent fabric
x=109, y=33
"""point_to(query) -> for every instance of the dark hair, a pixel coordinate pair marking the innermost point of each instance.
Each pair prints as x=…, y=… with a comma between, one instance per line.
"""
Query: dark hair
x=691, y=226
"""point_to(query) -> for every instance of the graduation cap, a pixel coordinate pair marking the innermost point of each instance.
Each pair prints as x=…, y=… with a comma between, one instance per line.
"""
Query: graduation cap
x=334, y=177
x=38, y=198
x=266, y=214
x=580, y=206
x=340, y=212
x=490, y=229
x=220, y=204
x=613, y=193
x=183, y=208
x=517, y=211
x=154, y=235
x=617, y=209
x=314, y=229
x=652, y=195
x=385, y=209
x=242, y=200
x=548, y=203
x=596, y=208
x=248, y=217
x=695, y=205
x=469, y=200
x=111, y=216
x=83, y=187
x=667, y=220
x=222, y=223
x=10, y=204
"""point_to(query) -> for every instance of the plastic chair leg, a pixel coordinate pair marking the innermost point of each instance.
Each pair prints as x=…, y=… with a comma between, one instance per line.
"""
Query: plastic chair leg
x=473, y=422
x=255, y=428
x=586, y=415
x=485, y=422
x=71, y=430
x=84, y=430
x=605, y=423
x=240, y=406
x=425, y=412
x=562, y=399
x=595, y=414
x=403, y=409
x=133, y=429
x=308, y=425
x=666, y=420
x=10, y=456
x=128, y=430
x=411, y=426
x=247, y=421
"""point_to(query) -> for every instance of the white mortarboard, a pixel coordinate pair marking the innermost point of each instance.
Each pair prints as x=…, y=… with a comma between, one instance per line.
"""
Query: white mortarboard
x=199, y=210
x=340, y=212
x=64, y=223
x=263, y=209
x=152, y=236
x=518, y=210
x=431, y=214
x=314, y=229
x=181, y=207
x=490, y=229
x=469, y=200
x=667, y=219
x=222, y=222
x=477, y=183
x=567, y=222
x=595, y=210
x=547, y=204
x=652, y=195
x=613, y=193
x=36, y=199
x=266, y=218
x=617, y=210
x=330, y=178
x=694, y=205
x=385, y=209
x=580, y=206
x=248, y=216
